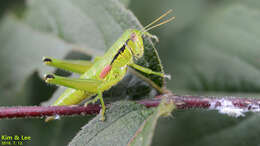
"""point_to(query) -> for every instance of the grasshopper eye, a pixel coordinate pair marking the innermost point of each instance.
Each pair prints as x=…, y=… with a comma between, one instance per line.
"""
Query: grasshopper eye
x=133, y=37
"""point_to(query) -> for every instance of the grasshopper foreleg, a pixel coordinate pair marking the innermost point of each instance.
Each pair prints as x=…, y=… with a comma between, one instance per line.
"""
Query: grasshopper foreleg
x=149, y=71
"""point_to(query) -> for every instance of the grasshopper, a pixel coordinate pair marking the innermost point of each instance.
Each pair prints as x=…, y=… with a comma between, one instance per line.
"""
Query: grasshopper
x=104, y=72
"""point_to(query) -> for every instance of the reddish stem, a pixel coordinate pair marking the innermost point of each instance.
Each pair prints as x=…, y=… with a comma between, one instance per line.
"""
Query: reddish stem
x=233, y=106
x=39, y=111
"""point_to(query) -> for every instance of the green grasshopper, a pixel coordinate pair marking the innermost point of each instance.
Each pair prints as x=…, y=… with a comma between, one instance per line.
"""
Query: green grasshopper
x=104, y=72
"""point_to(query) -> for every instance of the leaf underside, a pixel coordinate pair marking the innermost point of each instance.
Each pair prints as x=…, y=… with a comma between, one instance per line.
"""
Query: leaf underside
x=126, y=123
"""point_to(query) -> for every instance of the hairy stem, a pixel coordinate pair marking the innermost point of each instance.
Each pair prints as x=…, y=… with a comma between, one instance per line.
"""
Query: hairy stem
x=232, y=106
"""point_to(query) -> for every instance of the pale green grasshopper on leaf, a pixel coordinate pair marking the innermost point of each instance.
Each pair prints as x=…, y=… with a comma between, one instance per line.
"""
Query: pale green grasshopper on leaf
x=104, y=72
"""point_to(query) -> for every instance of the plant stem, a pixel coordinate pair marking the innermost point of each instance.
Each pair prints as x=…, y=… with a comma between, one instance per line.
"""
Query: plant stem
x=232, y=106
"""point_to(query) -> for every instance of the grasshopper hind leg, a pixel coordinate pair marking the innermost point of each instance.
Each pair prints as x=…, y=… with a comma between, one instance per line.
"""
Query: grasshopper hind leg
x=76, y=66
x=89, y=85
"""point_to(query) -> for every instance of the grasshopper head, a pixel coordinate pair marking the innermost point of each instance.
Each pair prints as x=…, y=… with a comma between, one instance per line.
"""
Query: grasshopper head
x=136, y=43
x=135, y=40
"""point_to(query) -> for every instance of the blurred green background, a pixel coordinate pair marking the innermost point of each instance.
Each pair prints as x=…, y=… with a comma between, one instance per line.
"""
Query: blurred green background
x=211, y=48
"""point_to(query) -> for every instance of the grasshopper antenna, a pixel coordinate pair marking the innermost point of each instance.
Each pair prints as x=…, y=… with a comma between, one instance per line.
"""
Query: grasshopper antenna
x=147, y=27
x=164, y=22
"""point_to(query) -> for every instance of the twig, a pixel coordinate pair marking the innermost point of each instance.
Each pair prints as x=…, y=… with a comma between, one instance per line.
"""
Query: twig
x=232, y=106
x=40, y=111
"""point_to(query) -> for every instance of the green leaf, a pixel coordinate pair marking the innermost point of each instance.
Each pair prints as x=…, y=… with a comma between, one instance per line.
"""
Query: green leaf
x=227, y=40
x=22, y=48
x=203, y=128
x=123, y=119
x=126, y=123
x=125, y=2
x=144, y=135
